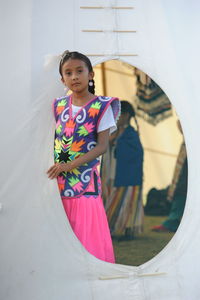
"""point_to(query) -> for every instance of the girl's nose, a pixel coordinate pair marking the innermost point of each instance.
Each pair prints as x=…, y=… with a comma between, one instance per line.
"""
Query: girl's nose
x=74, y=76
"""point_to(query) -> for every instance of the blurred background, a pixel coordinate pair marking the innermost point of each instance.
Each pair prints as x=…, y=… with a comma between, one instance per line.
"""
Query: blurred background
x=161, y=140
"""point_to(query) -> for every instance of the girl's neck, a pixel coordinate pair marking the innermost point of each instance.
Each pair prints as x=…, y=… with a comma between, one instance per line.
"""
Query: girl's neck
x=80, y=99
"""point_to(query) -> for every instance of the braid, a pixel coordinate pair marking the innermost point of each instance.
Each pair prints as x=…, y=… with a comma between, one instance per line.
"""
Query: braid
x=126, y=107
x=136, y=122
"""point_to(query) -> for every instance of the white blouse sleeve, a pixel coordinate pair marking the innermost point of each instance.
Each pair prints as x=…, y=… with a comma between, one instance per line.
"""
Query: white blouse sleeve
x=107, y=121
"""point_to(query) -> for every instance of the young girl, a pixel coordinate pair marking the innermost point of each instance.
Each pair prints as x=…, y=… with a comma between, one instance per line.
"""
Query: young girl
x=83, y=124
x=125, y=208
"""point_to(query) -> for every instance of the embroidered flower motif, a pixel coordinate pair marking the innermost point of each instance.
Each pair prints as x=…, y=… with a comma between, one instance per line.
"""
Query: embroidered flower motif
x=58, y=145
x=72, y=141
x=76, y=146
x=76, y=172
x=64, y=156
x=56, y=156
x=75, y=155
x=75, y=183
x=61, y=183
x=94, y=109
x=66, y=143
x=58, y=127
x=86, y=129
x=60, y=106
x=61, y=149
x=69, y=127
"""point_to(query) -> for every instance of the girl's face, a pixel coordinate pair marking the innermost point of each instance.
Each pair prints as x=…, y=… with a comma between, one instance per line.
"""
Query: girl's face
x=75, y=75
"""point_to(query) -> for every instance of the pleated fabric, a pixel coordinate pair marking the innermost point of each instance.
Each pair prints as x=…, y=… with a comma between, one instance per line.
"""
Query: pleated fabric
x=88, y=220
x=125, y=211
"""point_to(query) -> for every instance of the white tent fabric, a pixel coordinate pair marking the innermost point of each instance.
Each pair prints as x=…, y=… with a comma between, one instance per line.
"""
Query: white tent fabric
x=40, y=258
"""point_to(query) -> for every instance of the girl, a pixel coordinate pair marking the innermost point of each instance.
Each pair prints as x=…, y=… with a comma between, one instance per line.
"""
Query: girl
x=125, y=208
x=83, y=124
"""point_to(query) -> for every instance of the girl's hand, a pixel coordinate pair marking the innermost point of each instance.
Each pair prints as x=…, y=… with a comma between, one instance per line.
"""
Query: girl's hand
x=58, y=168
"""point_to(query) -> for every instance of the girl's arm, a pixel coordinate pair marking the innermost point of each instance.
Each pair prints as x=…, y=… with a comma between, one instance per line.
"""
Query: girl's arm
x=100, y=148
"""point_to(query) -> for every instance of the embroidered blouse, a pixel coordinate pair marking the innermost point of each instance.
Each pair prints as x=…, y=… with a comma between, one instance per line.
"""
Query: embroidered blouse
x=75, y=136
x=106, y=122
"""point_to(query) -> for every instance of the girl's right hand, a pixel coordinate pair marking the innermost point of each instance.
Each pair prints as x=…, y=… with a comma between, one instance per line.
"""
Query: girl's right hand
x=58, y=168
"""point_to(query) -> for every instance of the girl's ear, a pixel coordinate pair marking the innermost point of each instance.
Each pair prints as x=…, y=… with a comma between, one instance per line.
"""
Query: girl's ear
x=62, y=80
x=91, y=75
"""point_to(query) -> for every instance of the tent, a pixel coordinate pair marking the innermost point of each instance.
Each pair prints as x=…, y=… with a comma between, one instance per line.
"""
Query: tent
x=40, y=258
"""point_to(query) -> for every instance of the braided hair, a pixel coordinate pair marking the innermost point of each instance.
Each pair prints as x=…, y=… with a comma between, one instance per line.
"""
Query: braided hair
x=76, y=55
x=126, y=107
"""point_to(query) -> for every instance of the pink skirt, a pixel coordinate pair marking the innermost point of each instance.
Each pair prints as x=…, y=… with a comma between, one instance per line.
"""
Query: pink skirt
x=87, y=217
x=89, y=222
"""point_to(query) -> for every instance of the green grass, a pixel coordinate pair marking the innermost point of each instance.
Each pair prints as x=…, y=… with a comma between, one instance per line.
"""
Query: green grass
x=144, y=247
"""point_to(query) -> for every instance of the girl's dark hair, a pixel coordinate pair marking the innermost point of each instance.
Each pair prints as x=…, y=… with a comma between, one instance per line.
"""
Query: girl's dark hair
x=126, y=107
x=76, y=55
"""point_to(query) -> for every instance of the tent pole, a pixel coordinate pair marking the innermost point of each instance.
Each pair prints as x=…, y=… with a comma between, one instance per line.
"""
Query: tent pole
x=103, y=76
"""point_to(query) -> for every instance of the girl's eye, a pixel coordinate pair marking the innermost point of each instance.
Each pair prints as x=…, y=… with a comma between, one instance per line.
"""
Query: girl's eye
x=68, y=73
x=80, y=71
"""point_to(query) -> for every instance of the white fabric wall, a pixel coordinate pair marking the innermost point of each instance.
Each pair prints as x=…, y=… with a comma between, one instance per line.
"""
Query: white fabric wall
x=40, y=258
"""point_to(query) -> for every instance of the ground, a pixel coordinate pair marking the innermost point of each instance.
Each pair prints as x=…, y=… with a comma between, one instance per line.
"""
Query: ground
x=144, y=247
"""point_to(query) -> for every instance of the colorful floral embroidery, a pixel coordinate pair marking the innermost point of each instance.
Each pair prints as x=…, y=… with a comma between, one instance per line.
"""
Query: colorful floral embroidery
x=60, y=106
x=69, y=127
x=73, y=138
x=61, y=149
x=76, y=184
x=94, y=109
x=85, y=129
x=58, y=127
x=76, y=146
x=57, y=146
x=75, y=171
x=61, y=183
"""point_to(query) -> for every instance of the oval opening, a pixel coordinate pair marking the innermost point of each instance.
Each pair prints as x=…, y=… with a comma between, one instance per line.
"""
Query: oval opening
x=142, y=217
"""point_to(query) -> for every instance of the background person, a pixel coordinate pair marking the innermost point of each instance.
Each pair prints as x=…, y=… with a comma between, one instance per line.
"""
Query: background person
x=125, y=208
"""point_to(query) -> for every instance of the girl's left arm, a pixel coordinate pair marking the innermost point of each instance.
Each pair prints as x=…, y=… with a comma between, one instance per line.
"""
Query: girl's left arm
x=99, y=149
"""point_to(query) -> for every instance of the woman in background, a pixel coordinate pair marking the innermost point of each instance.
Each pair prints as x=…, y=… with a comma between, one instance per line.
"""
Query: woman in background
x=124, y=207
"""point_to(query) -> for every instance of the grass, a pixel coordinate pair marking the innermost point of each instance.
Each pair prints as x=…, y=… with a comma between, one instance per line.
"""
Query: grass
x=143, y=247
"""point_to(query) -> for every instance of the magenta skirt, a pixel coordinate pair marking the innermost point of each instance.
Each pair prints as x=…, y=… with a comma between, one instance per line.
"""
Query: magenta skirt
x=87, y=217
